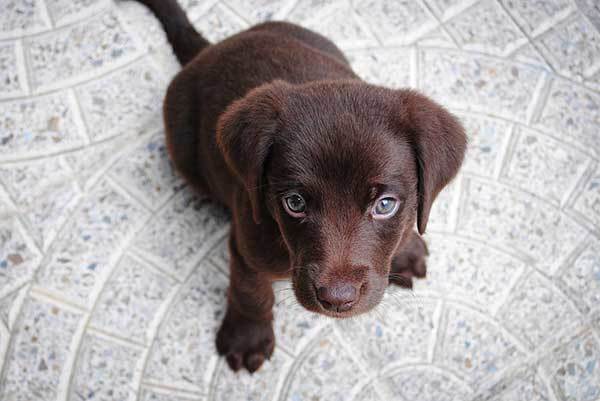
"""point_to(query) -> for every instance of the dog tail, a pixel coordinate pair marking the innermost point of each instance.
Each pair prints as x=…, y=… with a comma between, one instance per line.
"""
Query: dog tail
x=182, y=35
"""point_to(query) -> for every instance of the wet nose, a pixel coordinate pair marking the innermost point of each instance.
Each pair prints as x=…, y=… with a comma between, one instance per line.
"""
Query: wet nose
x=339, y=297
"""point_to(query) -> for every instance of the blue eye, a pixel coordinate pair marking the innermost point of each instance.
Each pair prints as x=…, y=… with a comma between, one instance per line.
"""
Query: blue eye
x=294, y=205
x=385, y=207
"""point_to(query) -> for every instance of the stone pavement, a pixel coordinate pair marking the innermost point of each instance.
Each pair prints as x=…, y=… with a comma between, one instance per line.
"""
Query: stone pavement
x=112, y=274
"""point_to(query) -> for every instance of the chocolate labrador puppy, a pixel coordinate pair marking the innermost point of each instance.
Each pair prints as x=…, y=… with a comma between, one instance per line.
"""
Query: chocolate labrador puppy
x=324, y=174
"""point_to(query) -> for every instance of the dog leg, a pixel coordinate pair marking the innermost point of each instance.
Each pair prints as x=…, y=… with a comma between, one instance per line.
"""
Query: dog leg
x=246, y=335
x=409, y=262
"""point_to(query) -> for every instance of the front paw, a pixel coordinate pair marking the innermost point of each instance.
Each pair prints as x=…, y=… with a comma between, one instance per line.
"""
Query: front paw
x=244, y=342
x=409, y=262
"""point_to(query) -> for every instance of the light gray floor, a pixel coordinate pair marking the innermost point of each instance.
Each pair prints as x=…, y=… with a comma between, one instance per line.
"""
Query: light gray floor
x=112, y=276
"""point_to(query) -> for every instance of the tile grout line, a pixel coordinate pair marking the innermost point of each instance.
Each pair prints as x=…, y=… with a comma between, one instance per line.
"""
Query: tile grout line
x=506, y=152
x=530, y=38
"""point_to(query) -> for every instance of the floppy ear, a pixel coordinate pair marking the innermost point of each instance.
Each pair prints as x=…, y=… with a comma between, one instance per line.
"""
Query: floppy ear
x=245, y=134
x=439, y=143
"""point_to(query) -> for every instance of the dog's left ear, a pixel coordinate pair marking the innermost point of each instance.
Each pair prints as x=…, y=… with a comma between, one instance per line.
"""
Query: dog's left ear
x=245, y=134
x=438, y=141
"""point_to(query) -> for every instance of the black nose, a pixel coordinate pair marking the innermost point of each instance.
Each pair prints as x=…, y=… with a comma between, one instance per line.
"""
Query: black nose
x=339, y=297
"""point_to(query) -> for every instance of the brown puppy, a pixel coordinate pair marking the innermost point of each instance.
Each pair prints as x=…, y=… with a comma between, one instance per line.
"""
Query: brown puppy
x=324, y=174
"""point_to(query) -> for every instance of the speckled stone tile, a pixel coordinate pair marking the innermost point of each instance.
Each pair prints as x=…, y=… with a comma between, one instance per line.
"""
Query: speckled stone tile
x=478, y=83
x=587, y=201
x=398, y=22
x=538, y=15
x=441, y=215
x=219, y=22
x=22, y=17
x=523, y=384
x=147, y=173
x=143, y=24
x=39, y=352
x=446, y=8
x=132, y=300
x=64, y=11
x=426, y=383
x=572, y=114
x=573, y=47
x=400, y=331
x=474, y=347
x=544, y=166
x=517, y=222
x=10, y=306
x=495, y=32
x=183, y=354
x=182, y=233
x=367, y=394
x=338, y=372
x=39, y=125
x=582, y=277
x=45, y=194
x=305, y=10
x=575, y=369
x=219, y=256
x=12, y=81
x=468, y=271
x=384, y=67
x=105, y=105
x=150, y=394
x=84, y=252
x=530, y=55
x=106, y=371
x=535, y=310
x=83, y=50
x=256, y=11
x=487, y=137
x=437, y=37
x=336, y=21
x=293, y=325
x=260, y=386
x=19, y=257
x=92, y=162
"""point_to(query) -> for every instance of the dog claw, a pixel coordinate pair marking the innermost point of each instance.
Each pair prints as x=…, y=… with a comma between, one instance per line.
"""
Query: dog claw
x=234, y=361
x=254, y=361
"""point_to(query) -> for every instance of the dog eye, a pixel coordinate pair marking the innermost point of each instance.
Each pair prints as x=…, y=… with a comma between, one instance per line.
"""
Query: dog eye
x=294, y=205
x=385, y=207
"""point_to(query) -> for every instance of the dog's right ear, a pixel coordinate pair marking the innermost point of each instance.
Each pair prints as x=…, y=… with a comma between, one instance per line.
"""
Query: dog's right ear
x=245, y=134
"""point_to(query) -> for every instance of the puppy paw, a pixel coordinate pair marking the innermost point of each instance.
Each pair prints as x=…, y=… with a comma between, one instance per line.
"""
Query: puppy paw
x=245, y=343
x=410, y=262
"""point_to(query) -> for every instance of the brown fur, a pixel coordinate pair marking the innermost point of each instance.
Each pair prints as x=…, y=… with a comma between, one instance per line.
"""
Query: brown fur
x=275, y=109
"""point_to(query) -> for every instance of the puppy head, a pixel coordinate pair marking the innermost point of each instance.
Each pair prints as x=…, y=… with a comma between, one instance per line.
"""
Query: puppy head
x=345, y=169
